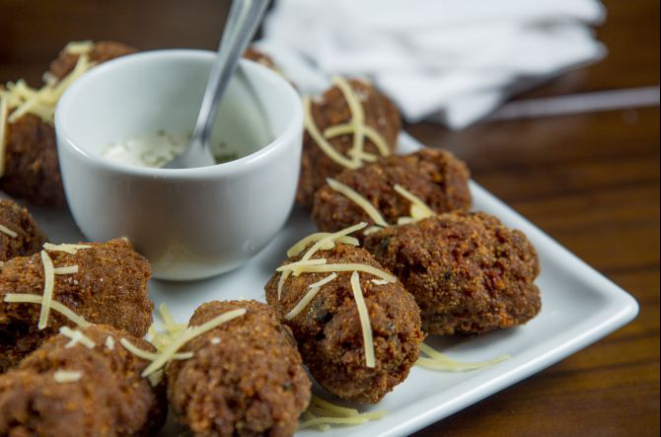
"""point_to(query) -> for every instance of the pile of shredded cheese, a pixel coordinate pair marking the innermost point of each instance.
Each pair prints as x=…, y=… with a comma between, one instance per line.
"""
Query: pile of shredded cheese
x=439, y=361
x=19, y=98
x=322, y=414
x=357, y=155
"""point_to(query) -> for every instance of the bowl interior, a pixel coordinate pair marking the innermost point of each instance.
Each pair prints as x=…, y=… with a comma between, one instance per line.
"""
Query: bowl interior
x=162, y=91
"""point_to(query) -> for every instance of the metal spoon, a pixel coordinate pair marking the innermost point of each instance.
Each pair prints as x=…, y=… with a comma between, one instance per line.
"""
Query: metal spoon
x=242, y=23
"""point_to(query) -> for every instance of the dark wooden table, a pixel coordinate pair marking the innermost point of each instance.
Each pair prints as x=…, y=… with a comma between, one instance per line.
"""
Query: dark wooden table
x=591, y=181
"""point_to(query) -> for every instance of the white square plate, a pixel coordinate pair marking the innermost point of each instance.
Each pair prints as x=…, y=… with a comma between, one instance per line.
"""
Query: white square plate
x=579, y=306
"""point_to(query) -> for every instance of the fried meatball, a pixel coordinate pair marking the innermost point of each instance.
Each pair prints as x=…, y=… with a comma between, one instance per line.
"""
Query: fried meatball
x=245, y=379
x=102, y=51
x=109, y=399
x=110, y=287
x=29, y=238
x=32, y=169
x=329, y=332
x=469, y=273
x=332, y=109
x=435, y=176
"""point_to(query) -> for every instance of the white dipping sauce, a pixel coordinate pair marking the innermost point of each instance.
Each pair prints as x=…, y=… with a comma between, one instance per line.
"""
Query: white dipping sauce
x=149, y=150
x=156, y=150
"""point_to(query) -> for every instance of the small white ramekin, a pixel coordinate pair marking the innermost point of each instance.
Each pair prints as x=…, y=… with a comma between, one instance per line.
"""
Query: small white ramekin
x=190, y=223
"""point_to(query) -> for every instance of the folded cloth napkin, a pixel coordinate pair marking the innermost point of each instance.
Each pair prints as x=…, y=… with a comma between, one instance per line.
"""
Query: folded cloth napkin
x=459, y=58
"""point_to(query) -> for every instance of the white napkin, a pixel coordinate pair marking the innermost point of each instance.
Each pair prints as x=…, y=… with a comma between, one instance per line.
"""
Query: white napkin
x=460, y=58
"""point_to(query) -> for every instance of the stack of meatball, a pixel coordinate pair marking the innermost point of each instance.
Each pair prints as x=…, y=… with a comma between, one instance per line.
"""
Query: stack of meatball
x=458, y=272
x=420, y=263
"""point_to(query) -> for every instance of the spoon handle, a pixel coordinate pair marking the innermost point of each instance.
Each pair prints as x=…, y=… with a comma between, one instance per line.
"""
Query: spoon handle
x=242, y=23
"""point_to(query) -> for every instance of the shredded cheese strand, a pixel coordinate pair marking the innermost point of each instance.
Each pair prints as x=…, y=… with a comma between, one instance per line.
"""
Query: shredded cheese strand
x=311, y=294
x=150, y=356
x=76, y=337
x=156, y=378
x=318, y=138
x=298, y=267
x=110, y=343
x=357, y=118
x=55, y=305
x=163, y=339
x=188, y=335
x=439, y=361
x=79, y=47
x=326, y=280
x=372, y=134
x=405, y=221
x=282, y=281
x=330, y=240
x=359, y=200
x=419, y=209
x=349, y=267
x=6, y=230
x=297, y=248
x=64, y=376
x=372, y=230
x=71, y=249
x=49, y=287
x=321, y=414
x=166, y=315
x=66, y=270
x=368, y=341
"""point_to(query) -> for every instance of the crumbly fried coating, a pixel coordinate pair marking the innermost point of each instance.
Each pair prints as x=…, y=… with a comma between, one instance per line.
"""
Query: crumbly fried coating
x=29, y=239
x=109, y=288
x=250, y=383
x=32, y=169
x=330, y=336
x=110, y=398
x=435, y=176
x=102, y=51
x=469, y=273
x=331, y=109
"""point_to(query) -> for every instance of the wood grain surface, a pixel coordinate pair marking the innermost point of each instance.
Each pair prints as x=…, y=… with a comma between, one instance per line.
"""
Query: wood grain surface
x=591, y=181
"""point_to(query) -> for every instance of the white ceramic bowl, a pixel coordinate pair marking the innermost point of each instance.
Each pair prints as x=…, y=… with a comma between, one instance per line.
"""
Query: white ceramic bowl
x=190, y=223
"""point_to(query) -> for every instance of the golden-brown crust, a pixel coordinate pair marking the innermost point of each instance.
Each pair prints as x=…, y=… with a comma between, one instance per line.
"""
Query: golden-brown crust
x=331, y=109
x=29, y=239
x=110, y=288
x=468, y=273
x=330, y=335
x=251, y=383
x=32, y=170
x=110, y=399
x=435, y=176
